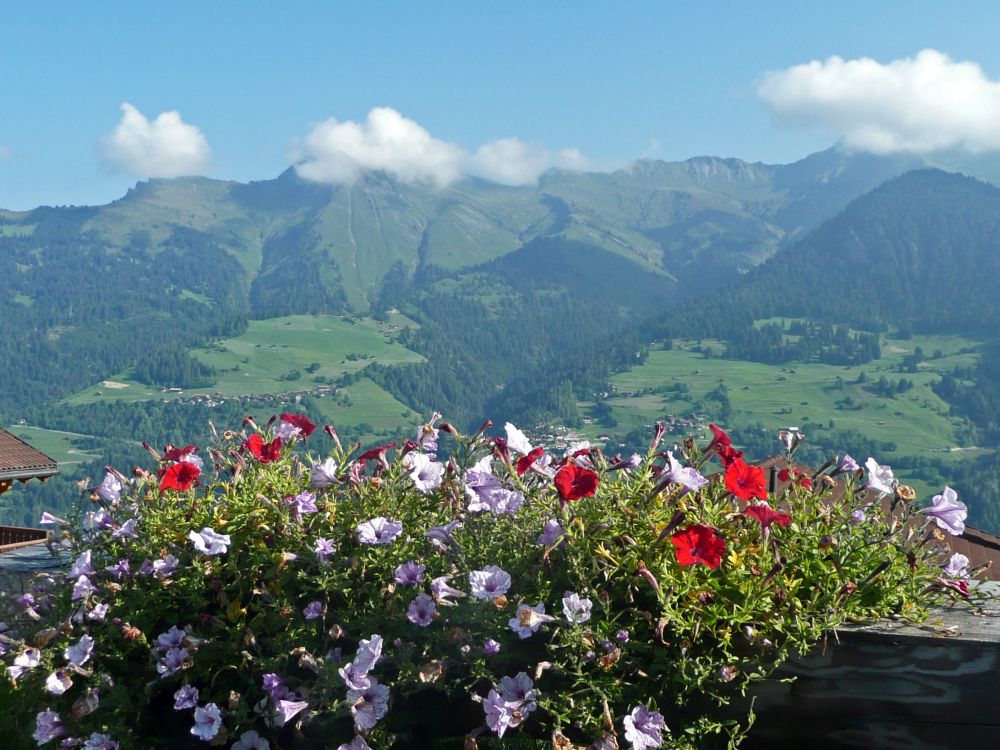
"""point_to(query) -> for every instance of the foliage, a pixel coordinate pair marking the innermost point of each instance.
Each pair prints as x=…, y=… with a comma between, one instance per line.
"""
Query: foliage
x=565, y=595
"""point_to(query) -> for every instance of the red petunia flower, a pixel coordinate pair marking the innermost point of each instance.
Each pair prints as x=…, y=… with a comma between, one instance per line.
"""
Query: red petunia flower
x=745, y=481
x=524, y=462
x=263, y=452
x=797, y=477
x=178, y=454
x=721, y=438
x=574, y=482
x=377, y=453
x=181, y=476
x=728, y=454
x=301, y=421
x=698, y=544
x=767, y=515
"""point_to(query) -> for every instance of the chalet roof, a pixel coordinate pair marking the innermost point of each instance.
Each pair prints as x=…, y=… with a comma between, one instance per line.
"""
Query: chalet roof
x=18, y=460
x=982, y=548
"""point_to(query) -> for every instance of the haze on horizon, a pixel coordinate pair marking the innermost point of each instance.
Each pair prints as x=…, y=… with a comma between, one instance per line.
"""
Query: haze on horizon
x=122, y=93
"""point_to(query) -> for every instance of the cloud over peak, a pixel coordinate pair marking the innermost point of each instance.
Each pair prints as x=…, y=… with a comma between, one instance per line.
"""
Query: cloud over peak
x=339, y=152
x=165, y=147
x=920, y=104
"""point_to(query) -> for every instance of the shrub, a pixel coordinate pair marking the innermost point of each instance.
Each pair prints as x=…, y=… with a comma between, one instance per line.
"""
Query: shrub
x=453, y=585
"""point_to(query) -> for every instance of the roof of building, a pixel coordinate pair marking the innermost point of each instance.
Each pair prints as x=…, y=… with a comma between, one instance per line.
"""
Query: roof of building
x=18, y=460
x=982, y=548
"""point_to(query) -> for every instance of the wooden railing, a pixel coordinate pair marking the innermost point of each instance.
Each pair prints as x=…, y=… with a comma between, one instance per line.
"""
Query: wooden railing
x=15, y=537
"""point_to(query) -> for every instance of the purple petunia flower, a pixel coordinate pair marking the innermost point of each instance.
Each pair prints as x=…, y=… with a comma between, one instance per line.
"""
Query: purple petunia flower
x=497, y=500
x=251, y=740
x=369, y=652
x=685, y=476
x=643, y=728
x=489, y=583
x=313, y=610
x=119, y=570
x=948, y=512
x=425, y=473
x=956, y=566
x=79, y=653
x=172, y=662
x=324, y=474
x=421, y=610
x=172, y=638
x=166, y=566
x=275, y=686
x=82, y=588
x=358, y=743
x=324, y=548
x=98, y=613
x=126, y=531
x=82, y=566
x=208, y=542
x=622, y=636
x=99, y=741
x=288, y=710
x=378, y=530
x=24, y=662
x=442, y=536
x=48, y=519
x=529, y=619
x=48, y=726
x=110, y=489
x=369, y=705
x=880, y=477
x=510, y=703
x=410, y=573
x=858, y=517
x=575, y=609
x=491, y=647
x=304, y=502
x=633, y=462
x=185, y=697
x=207, y=722
x=443, y=592
x=848, y=465
x=59, y=682
x=551, y=533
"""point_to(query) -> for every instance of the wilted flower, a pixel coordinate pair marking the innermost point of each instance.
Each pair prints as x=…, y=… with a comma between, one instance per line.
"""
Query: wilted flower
x=185, y=697
x=489, y=583
x=48, y=726
x=425, y=473
x=552, y=531
x=378, y=530
x=575, y=609
x=528, y=619
x=207, y=722
x=126, y=530
x=313, y=610
x=48, y=519
x=643, y=728
x=250, y=740
x=421, y=610
x=766, y=515
x=369, y=705
x=208, y=542
x=880, y=478
x=324, y=474
x=410, y=573
x=948, y=512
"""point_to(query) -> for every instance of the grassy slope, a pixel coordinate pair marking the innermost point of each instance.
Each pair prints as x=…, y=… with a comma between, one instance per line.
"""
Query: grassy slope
x=56, y=444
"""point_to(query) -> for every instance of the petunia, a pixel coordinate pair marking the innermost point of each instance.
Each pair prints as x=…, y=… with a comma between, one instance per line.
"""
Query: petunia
x=189, y=454
x=574, y=482
x=303, y=503
x=126, y=530
x=491, y=647
x=24, y=662
x=499, y=715
x=185, y=697
x=166, y=566
x=745, y=481
x=443, y=592
x=181, y=476
x=575, y=609
x=119, y=570
x=172, y=662
x=421, y=610
x=686, y=476
x=207, y=722
x=263, y=452
x=82, y=566
x=643, y=728
x=289, y=709
x=358, y=743
x=82, y=588
x=313, y=610
x=880, y=478
x=443, y=536
x=517, y=441
x=294, y=425
x=956, y=567
x=427, y=436
x=498, y=501
x=209, y=542
x=100, y=741
x=378, y=530
x=48, y=726
x=552, y=532
x=48, y=519
x=948, y=512
x=410, y=573
x=110, y=489
x=79, y=653
x=848, y=465
x=251, y=740
x=489, y=583
x=324, y=474
x=369, y=653
x=425, y=473
x=172, y=638
x=525, y=462
x=858, y=517
x=510, y=703
x=58, y=682
x=698, y=544
x=275, y=686
x=98, y=613
x=528, y=619
x=767, y=516
x=324, y=548
x=370, y=705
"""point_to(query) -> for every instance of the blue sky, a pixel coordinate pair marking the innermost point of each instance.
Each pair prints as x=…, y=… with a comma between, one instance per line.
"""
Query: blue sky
x=614, y=81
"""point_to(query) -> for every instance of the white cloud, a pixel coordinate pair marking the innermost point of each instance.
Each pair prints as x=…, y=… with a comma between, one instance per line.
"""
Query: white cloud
x=165, y=147
x=338, y=152
x=921, y=104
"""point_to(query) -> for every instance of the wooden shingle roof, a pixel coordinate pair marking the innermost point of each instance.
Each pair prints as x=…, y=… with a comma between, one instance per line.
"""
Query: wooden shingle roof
x=18, y=460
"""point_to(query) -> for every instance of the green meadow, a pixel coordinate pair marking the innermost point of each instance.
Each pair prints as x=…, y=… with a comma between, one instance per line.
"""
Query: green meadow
x=56, y=444
x=801, y=394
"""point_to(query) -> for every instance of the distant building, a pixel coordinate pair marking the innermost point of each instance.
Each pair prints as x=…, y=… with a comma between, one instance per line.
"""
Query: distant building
x=20, y=462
